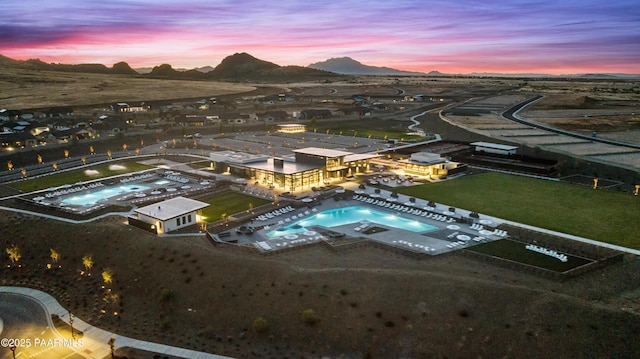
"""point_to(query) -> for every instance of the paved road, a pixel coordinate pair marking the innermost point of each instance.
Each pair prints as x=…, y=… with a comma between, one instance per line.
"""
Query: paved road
x=512, y=114
x=26, y=321
x=28, y=317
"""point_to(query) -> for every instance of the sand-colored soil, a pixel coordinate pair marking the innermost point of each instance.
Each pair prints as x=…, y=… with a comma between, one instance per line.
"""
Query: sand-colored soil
x=23, y=89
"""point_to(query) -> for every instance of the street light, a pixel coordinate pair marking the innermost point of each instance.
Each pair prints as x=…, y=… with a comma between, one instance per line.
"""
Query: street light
x=73, y=336
x=13, y=351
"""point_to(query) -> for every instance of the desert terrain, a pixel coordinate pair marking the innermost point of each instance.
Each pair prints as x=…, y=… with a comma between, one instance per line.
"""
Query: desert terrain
x=367, y=302
x=25, y=89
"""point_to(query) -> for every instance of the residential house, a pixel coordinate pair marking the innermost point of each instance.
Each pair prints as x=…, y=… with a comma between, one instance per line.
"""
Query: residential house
x=272, y=116
x=315, y=113
x=17, y=140
x=191, y=120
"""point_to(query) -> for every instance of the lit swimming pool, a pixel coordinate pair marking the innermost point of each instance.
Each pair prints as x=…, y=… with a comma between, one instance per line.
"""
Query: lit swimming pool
x=89, y=199
x=348, y=215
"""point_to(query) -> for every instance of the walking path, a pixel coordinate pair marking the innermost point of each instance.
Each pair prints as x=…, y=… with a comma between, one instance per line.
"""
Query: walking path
x=95, y=340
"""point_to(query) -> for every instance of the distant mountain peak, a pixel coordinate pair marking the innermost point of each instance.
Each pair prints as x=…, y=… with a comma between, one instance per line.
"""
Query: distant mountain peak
x=348, y=66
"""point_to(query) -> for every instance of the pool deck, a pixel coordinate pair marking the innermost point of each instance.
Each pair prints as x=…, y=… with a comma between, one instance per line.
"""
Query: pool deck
x=448, y=236
x=158, y=185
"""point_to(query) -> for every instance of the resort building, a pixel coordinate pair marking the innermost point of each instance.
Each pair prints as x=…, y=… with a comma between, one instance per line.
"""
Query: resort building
x=424, y=164
x=307, y=167
x=431, y=165
x=168, y=216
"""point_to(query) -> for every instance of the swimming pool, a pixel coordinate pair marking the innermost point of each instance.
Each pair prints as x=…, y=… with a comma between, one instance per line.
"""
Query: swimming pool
x=348, y=215
x=91, y=198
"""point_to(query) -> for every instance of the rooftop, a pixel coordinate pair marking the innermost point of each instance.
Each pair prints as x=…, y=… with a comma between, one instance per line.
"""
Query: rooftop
x=316, y=151
x=359, y=157
x=287, y=167
x=171, y=208
x=494, y=145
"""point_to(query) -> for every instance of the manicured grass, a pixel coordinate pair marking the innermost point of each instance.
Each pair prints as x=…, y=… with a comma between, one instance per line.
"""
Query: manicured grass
x=374, y=133
x=604, y=216
x=229, y=203
x=71, y=177
x=517, y=252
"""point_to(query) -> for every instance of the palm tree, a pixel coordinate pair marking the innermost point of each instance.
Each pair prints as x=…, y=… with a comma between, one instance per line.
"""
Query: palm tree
x=14, y=254
x=55, y=255
x=87, y=261
x=107, y=276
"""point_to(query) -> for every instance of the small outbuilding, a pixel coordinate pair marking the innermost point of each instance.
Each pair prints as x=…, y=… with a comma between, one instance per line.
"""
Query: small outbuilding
x=168, y=216
x=495, y=148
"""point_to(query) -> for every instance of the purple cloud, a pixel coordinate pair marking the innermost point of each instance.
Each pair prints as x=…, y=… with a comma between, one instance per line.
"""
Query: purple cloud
x=416, y=35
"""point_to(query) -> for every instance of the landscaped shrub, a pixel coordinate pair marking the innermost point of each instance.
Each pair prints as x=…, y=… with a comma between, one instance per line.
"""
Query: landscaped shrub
x=310, y=317
x=260, y=325
x=167, y=295
x=165, y=323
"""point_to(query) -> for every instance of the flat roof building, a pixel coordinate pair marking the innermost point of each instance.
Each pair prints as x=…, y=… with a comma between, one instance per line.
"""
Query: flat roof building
x=308, y=167
x=169, y=215
x=495, y=148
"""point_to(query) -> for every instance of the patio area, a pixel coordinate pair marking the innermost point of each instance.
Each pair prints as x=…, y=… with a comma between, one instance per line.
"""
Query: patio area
x=285, y=228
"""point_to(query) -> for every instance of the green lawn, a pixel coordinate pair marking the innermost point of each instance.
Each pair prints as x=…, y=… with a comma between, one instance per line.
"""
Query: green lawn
x=74, y=176
x=604, y=216
x=229, y=203
x=518, y=252
x=374, y=133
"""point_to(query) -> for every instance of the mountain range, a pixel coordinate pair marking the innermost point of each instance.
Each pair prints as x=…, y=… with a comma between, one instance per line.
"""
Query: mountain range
x=242, y=67
x=349, y=66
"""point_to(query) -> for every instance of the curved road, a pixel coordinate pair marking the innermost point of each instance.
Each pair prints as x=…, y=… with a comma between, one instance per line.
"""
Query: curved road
x=26, y=315
x=512, y=114
x=25, y=319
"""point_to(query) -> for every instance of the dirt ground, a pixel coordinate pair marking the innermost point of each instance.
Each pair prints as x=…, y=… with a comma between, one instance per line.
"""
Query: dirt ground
x=368, y=302
x=22, y=89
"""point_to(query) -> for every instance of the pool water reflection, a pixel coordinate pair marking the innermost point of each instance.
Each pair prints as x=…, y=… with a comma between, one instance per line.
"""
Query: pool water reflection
x=348, y=215
x=92, y=198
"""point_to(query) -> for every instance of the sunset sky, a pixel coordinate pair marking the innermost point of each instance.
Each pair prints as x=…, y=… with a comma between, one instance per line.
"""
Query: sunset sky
x=519, y=36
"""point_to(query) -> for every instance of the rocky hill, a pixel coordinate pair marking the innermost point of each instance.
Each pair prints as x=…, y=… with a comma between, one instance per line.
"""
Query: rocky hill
x=349, y=66
x=242, y=67
x=239, y=67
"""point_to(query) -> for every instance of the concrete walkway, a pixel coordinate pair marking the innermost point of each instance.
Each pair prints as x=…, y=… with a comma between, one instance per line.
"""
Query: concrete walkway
x=95, y=340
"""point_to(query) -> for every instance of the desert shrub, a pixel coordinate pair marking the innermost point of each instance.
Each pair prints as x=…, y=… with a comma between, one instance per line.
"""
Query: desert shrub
x=310, y=317
x=260, y=325
x=167, y=295
x=165, y=323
